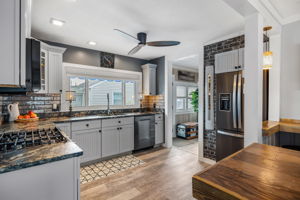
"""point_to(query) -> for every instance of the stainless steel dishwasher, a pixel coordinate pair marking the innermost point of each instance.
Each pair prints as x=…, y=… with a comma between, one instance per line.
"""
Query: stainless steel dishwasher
x=144, y=131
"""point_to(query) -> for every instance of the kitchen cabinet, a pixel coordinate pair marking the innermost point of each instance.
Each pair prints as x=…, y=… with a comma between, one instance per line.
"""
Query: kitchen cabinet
x=229, y=61
x=117, y=136
x=51, y=68
x=65, y=127
x=87, y=135
x=90, y=142
x=149, y=79
x=126, y=138
x=159, y=129
x=110, y=141
x=15, y=25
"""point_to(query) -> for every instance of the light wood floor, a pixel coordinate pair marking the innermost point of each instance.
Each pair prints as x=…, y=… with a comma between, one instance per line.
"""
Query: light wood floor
x=167, y=174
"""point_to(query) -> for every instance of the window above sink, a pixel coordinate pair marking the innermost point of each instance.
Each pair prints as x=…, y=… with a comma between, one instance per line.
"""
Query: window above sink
x=92, y=85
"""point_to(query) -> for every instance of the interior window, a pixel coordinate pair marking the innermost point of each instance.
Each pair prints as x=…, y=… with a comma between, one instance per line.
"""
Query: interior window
x=180, y=103
x=181, y=91
x=184, y=98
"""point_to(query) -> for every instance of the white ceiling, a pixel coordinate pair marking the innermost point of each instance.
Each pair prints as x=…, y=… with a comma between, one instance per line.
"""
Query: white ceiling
x=192, y=22
x=191, y=61
x=286, y=11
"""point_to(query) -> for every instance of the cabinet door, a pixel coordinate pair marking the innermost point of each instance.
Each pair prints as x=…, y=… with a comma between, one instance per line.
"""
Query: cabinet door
x=44, y=71
x=227, y=62
x=55, y=72
x=65, y=127
x=126, y=138
x=241, y=59
x=90, y=142
x=10, y=42
x=110, y=141
x=159, y=132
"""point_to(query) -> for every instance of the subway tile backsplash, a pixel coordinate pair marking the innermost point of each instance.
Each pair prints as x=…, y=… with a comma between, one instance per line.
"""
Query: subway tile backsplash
x=156, y=101
x=42, y=105
x=38, y=103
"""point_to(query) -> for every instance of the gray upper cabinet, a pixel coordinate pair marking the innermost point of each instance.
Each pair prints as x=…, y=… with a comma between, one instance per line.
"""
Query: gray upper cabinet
x=229, y=61
x=110, y=141
x=14, y=20
x=126, y=138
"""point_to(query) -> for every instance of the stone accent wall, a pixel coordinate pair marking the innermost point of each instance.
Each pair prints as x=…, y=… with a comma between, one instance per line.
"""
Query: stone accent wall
x=209, y=59
x=238, y=42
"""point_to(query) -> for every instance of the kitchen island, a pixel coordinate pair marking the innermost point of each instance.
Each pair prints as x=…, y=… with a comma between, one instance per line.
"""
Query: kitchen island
x=256, y=172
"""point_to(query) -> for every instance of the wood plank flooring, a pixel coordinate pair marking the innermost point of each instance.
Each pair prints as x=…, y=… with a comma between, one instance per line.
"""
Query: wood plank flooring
x=166, y=175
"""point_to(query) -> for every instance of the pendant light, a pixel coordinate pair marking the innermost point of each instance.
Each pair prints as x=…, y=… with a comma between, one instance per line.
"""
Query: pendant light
x=268, y=55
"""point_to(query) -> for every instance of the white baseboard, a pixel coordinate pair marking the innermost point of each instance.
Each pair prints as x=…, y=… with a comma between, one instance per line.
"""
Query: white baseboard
x=207, y=160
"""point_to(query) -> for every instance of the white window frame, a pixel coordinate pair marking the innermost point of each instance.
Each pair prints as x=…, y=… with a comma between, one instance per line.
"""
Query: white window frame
x=186, y=85
x=70, y=69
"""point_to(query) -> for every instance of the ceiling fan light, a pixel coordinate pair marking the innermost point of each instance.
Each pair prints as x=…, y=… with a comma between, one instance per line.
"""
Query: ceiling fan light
x=267, y=60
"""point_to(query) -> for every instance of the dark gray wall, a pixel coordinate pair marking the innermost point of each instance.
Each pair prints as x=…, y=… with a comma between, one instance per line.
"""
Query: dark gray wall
x=85, y=56
x=160, y=74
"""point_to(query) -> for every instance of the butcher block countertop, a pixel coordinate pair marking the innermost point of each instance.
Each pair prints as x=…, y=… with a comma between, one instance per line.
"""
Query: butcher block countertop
x=256, y=172
x=285, y=125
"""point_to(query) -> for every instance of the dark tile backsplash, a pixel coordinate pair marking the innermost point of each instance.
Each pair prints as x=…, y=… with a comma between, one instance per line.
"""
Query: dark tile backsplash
x=210, y=51
x=42, y=105
x=39, y=103
x=209, y=59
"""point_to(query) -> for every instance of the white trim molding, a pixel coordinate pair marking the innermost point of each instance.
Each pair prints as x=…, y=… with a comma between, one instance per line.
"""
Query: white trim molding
x=70, y=69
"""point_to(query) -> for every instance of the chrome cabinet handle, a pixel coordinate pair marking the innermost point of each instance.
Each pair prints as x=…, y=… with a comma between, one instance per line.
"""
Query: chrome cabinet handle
x=234, y=101
x=239, y=101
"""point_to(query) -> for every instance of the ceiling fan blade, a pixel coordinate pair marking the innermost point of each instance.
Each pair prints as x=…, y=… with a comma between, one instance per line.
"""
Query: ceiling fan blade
x=163, y=43
x=126, y=34
x=135, y=49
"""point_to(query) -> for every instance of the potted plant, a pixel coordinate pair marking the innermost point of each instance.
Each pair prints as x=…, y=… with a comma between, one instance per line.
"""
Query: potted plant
x=195, y=100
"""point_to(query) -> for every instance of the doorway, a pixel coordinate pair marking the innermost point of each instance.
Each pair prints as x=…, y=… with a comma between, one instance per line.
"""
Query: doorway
x=185, y=115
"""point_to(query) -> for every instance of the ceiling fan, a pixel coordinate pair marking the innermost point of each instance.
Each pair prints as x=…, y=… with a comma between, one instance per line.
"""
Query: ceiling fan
x=142, y=41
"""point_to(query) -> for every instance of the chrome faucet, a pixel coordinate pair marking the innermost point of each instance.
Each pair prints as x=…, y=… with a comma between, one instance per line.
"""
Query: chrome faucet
x=108, y=111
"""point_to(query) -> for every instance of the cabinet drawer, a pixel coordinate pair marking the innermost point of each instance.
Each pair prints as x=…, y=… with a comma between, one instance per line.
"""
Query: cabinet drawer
x=117, y=121
x=85, y=125
x=159, y=117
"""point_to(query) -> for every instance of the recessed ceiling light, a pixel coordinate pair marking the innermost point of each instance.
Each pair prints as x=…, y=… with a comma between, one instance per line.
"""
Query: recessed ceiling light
x=92, y=43
x=57, y=22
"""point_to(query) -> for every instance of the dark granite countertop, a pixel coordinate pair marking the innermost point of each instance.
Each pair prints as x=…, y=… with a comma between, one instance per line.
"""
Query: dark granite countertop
x=47, y=153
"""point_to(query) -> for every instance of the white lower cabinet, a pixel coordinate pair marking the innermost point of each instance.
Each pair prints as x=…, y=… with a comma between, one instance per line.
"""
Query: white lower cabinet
x=90, y=142
x=65, y=127
x=102, y=138
x=159, y=129
x=110, y=141
x=159, y=132
x=126, y=138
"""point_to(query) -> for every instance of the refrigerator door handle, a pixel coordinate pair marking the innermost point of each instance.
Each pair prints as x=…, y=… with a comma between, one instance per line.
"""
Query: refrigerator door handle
x=239, y=100
x=230, y=134
x=234, y=100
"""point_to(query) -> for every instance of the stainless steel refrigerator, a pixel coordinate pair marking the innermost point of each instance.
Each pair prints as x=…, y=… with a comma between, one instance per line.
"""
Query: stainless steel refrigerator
x=230, y=107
